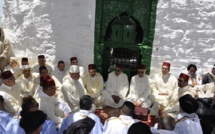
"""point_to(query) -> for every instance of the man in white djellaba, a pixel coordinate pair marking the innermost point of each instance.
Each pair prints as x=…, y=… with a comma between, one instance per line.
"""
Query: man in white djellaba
x=162, y=85
x=94, y=84
x=117, y=88
x=59, y=71
x=73, y=88
x=140, y=90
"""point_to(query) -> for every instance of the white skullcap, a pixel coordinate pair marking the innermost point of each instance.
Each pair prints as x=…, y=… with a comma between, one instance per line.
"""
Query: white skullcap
x=25, y=67
x=74, y=69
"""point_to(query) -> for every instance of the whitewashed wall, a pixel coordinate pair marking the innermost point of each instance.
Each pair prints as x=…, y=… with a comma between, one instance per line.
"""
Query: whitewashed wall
x=185, y=33
x=58, y=28
x=63, y=28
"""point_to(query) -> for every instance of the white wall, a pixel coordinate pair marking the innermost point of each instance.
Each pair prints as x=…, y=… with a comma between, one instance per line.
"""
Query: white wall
x=64, y=28
x=185, y=33
x=58, y=28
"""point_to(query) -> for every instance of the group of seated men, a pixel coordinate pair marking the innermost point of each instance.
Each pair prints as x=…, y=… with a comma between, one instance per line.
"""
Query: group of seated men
x=58, y=91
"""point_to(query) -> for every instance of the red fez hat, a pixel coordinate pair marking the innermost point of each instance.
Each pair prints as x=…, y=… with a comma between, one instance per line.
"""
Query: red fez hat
x=73, y=58
x=41, y=57
x=43, y=79
x=119, y=66
x=24, y=59
x=91, y=66
x=166, y=64
x=50, y=82
x=184, y=76
x=6, y=74
x=141, y=66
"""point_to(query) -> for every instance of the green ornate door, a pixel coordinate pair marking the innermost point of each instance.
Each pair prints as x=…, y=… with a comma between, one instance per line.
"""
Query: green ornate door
x=124, y=31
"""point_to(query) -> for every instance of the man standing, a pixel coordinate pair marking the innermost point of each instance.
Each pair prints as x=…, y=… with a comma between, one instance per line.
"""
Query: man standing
x=172, y=107
x=73, y=88
x=209, y=77
x=41, y=62
x=163, y=85
x=11, y=93
x=121, y=124
x=59, y=71
x=94, y=84
x=140, y=88
x=117, y=88
x=5, y=50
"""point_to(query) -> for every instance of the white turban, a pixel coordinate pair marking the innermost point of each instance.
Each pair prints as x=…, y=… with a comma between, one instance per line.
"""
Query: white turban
x=74, y=69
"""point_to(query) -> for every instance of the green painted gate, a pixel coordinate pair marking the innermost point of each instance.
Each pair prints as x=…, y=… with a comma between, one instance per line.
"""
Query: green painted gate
x=124, y=31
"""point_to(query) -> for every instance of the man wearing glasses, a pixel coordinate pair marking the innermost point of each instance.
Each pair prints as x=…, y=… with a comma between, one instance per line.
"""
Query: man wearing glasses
x=117, y=88
x=172, y=107
x=11, y=93
x=162, y=85
x=140, y=88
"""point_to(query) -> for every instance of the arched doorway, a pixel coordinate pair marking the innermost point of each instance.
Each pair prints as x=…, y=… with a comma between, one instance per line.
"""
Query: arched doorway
x=121, y=41
x=124, y=31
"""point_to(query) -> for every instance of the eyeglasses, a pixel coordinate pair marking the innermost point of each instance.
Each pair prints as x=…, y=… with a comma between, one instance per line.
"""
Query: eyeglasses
x=117, y=70
x=36, y=105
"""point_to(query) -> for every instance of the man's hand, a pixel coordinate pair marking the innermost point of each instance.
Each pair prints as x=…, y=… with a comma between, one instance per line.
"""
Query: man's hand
x=139, y=103
x=135, y=104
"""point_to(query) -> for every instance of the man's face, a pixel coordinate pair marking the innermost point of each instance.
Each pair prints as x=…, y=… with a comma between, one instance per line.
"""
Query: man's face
x=192, y=71
x=10, y=81
x=52, y=90
x=74, y=62
x=117, y=71
x=92, y=72
x=61, y=66
x=75, y=76
x=165, y=70
x=26, y=72
x=41, y=61
x=24, y=63
x=141, y=72
x=44, y=72
x=181, y=82
x=13, y=63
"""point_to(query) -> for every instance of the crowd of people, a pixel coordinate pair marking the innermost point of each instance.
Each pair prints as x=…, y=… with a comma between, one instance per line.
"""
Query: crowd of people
x=41, y=99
